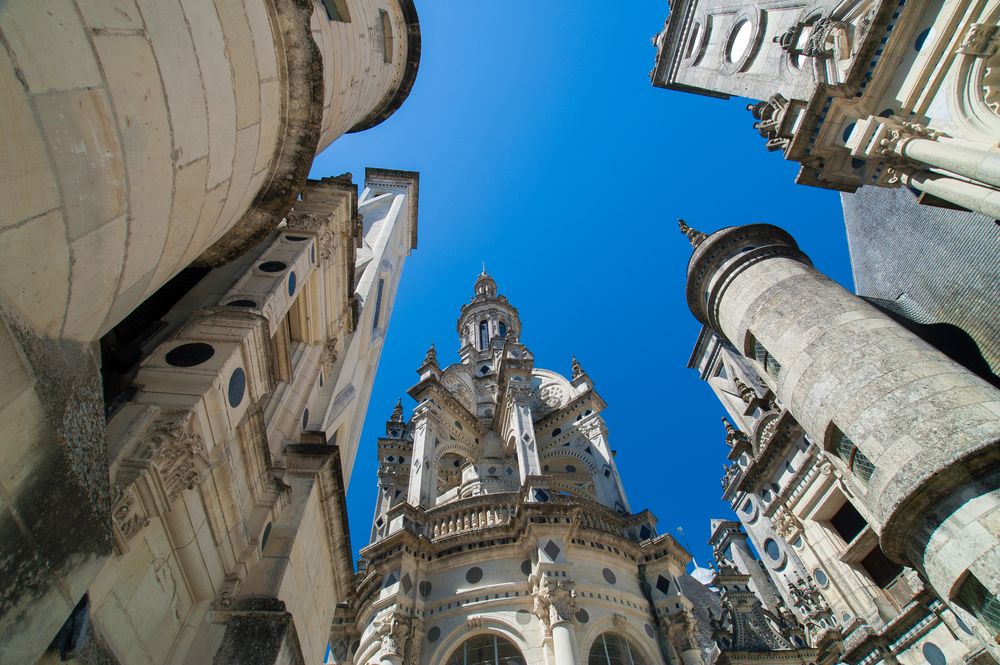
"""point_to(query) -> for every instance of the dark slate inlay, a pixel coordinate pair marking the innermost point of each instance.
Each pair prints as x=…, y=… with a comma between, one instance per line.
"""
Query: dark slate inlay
x=296, y=238
x=523, y=617
x=237, y=387
x=425, y=589
x=312, y=254
x=433, y=634
x=305, y=418
x=609, y=576
x=541, y=496
x=474, y=574
x=389, y=581
x=663, y=585
x=407, y=583
x=291, y=283
x=582, y=616
x=526, y=567
x=243, y=302
x=649, y=631
x=551, y=550
x=189, y=355
x=272, y=266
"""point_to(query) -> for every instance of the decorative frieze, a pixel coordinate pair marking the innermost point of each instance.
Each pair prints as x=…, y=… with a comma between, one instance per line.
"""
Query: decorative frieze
x=981, y=39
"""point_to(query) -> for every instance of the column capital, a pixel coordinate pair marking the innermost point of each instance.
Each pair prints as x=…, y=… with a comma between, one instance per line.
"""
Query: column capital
x=554, y=602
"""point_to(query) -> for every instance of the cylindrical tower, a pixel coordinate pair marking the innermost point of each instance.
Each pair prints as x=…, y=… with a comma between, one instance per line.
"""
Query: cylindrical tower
x=145, y=137
x=918, y=432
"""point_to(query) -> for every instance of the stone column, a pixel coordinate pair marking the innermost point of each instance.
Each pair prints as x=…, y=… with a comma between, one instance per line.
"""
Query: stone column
x=523, y=430
x=564, y=643
x=908, y=149
x=978, y=165
x=422, y=491
x=555, y=605
x=960, y=192
x=916, y=432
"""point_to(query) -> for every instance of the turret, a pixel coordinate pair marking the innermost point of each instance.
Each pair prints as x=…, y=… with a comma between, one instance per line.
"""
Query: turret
x=915, y=433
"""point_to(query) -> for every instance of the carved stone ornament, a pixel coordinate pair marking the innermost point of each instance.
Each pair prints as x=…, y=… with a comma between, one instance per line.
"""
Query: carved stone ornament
x=128, y=516
x=746, y=392
x=554, y=602
x=785, y=523
x=577, y=369
x=394, y=630
x=981, y=40
x=177, y=453
x=770, y=115
x=329, y=356
x=828, y=38
x=320, y=224
x=620, y=621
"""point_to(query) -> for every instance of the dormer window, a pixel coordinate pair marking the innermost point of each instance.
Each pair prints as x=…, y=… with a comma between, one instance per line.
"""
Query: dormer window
x=484, y=334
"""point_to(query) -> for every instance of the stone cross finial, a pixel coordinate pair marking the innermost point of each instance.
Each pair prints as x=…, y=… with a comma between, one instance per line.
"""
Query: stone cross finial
x=577, y=370
x=694, y=237
x=397, y=413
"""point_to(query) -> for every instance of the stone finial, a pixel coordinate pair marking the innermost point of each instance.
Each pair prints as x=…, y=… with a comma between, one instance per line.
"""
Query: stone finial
x=577, y=369
x=397, y=412
x=431, y=358
x=694, y=237
x=746, y=392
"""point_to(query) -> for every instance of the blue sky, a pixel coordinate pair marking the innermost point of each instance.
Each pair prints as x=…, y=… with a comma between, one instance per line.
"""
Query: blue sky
x=544, y=151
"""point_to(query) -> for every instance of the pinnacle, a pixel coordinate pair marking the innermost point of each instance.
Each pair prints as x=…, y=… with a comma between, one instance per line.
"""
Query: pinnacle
x=693, y=236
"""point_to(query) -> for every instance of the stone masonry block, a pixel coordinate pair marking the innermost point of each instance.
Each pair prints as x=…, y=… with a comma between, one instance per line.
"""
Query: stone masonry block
x=38, y=290
x=83, y=141
x=143, y=122
x=61, y=61
x=24, y=166
x=209, y=42
x=178, y=64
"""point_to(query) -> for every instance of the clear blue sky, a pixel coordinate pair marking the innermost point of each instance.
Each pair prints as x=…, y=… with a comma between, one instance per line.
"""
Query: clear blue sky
x=544, y=151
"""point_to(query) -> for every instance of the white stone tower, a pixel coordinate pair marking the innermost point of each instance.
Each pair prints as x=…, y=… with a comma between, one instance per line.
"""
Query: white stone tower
x=915, y=434
x=502, y=533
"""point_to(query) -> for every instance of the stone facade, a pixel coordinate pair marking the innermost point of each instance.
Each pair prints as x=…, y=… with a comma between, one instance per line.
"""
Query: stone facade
x=887, y=93
x=856, y=446
x=231, y=452
x=146, y=144
x=502, y=533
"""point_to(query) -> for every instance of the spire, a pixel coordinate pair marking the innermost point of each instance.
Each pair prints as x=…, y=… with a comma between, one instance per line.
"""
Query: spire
x=397, y=413
x=577, y=370
x=695, y=237
x=431, y=358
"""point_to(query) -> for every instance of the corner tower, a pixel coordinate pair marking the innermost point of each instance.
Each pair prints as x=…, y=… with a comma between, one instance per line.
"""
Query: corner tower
x=502, y=529
x=915, y=434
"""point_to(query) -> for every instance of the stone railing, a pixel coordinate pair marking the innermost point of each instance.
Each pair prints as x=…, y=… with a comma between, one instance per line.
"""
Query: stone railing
x=466, y=518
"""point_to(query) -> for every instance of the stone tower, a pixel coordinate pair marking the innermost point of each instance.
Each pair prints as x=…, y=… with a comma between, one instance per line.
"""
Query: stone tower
x=502, y=533
x=147, y=143
x=914, y=433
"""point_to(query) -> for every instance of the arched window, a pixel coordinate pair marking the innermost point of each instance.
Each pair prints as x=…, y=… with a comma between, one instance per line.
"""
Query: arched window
x=484, y=334
x=503, y=329
x=486, y=650
x=611, y=649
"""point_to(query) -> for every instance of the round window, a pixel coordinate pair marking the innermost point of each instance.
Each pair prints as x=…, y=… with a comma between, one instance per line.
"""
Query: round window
x=821, y=578
x=772, y=549
x=739, y=41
